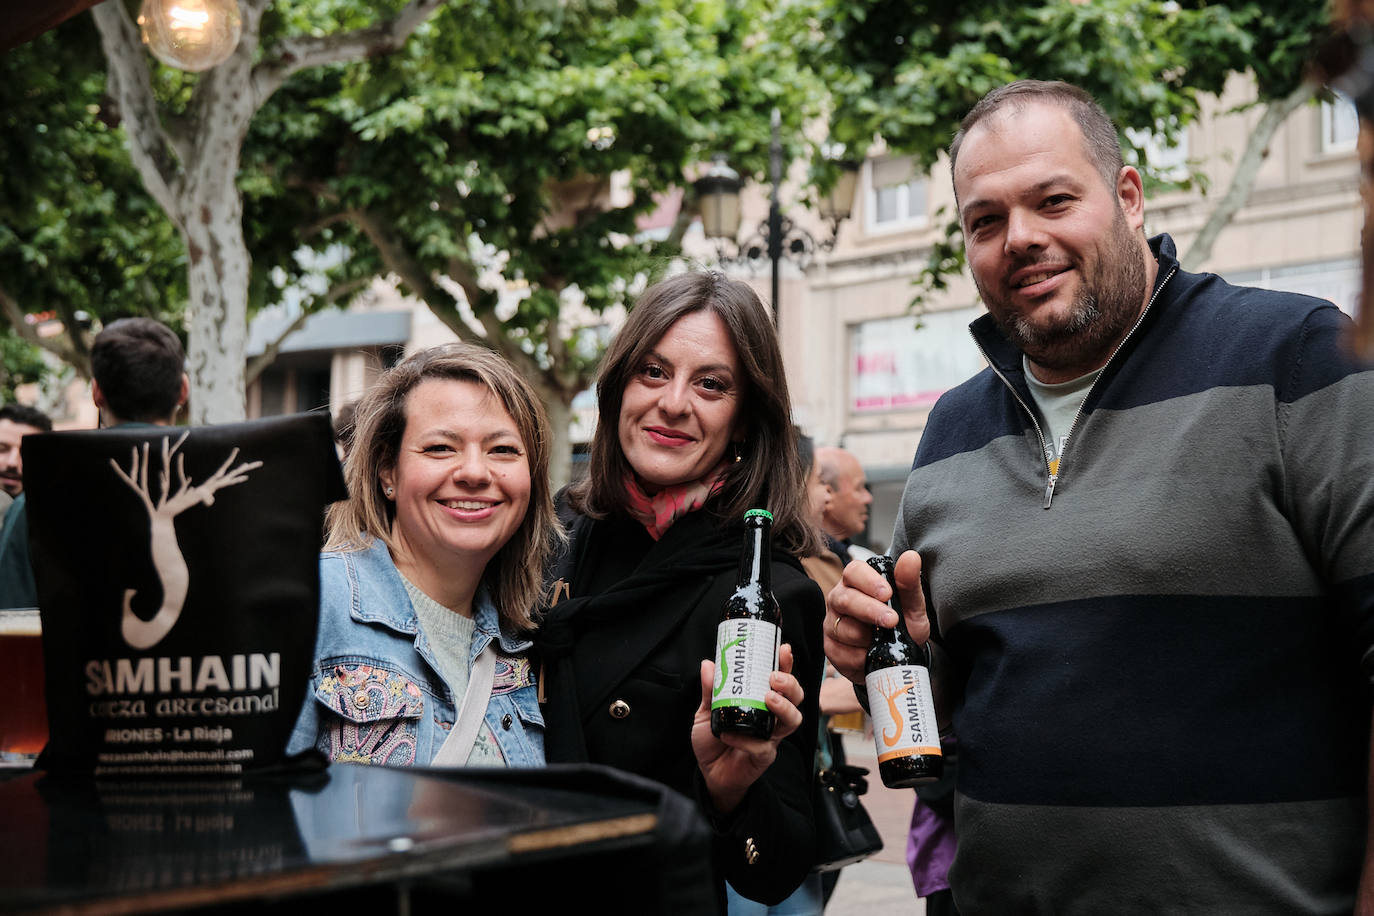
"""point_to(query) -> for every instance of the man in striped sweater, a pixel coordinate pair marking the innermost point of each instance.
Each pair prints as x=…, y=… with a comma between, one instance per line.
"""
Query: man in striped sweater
x=1146, y=538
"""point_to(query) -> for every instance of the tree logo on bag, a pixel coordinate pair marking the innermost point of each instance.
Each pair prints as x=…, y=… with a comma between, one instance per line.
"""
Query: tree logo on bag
x=168, y=562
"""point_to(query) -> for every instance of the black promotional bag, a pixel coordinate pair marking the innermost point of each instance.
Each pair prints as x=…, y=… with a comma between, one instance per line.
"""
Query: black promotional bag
x=177, y=575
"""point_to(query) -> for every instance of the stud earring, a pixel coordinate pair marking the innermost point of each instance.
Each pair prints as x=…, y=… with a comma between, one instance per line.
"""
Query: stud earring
x=390, y=492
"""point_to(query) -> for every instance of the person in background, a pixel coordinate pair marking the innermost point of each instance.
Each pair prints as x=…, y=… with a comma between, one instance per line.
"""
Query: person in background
x=138, y=377
x=1146, y=537
x=432, y=571
x=931, y=841
x=344, y=425
x=846, y=510
x=838, y=703
x=693, y=429
x=826, y=567
x=16, y=422
x=839, y=500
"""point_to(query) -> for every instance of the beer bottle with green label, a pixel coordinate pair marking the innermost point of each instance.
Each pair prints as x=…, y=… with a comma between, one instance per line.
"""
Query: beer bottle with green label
x=897, y=675
x=747, y=639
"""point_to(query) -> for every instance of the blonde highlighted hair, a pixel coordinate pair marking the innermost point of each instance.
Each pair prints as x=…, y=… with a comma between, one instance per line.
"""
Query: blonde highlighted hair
x=514, y=577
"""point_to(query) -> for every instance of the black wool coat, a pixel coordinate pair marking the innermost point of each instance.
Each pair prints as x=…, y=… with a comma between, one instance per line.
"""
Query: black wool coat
x=622, y=652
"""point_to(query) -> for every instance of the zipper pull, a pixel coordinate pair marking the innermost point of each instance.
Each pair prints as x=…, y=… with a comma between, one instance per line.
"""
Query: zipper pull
x=1049, y=490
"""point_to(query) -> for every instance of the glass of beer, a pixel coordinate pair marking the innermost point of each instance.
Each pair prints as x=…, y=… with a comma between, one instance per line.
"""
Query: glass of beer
x=23, y=714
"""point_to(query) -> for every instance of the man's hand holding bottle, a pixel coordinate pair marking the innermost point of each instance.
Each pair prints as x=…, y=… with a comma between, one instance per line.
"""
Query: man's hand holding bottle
x=859, y=602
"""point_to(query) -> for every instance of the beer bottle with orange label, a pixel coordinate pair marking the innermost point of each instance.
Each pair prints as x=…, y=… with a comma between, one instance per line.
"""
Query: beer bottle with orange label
x=897, y=675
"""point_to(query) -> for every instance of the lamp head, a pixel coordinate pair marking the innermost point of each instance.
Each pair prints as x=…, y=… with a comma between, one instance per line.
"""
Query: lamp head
x=718, y=199
x=192, y=35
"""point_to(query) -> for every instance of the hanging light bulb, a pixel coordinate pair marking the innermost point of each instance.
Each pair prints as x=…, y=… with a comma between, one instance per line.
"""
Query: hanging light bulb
x=190, y=35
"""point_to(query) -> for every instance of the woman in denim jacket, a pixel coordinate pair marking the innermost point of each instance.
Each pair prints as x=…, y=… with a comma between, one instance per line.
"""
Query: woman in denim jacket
x=431, y=570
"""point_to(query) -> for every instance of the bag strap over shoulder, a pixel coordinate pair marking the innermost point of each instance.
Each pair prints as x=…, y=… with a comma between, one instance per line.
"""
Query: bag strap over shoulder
x=458, y=745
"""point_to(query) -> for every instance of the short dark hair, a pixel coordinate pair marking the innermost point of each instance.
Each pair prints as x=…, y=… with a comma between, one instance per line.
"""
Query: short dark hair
x=139, y=363
x=806, y=451
x=1100, y=139
x=769, y=472
x=345, y=423
x=26, y=416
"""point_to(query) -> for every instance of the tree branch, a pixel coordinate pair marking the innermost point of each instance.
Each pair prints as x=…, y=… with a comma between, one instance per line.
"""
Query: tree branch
x=269, y=354
x=395, y=256
x=1243, y=181
x=297, y=53
x=682, y=223
x=54, y=345
x=152, y=149
x=311, y=229
x=482, y=302
x=75, y=338
x=442, y=303
x=229, y=80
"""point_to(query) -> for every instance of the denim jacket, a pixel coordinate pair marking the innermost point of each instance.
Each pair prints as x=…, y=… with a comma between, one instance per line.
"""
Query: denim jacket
x=376, y=695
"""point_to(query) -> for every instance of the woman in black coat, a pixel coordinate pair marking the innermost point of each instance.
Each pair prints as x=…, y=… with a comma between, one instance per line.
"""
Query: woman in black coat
x=694, y=429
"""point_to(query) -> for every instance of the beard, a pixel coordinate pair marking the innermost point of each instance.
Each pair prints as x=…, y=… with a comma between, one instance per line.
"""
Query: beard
x=1109, y=301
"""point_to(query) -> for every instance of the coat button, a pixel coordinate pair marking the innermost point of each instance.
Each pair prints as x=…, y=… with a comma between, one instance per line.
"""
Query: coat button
x=506, y=721
x=360, y=700
x=620, y=709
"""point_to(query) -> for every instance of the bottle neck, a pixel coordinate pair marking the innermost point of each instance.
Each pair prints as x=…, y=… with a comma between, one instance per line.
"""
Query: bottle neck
x=755, y=563
x=899, y=632
x=890, y=636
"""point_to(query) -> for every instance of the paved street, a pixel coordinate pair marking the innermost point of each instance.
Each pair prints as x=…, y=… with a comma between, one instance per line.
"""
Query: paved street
x=880, y=884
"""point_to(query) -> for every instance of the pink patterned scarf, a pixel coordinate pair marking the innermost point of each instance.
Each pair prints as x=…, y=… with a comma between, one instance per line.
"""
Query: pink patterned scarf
x=658, y=512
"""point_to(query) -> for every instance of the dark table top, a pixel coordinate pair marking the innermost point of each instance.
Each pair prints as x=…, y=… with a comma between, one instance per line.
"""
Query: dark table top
x=80, y=846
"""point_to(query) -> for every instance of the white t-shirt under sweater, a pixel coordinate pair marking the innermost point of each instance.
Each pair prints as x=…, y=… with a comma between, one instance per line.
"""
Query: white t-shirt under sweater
x=1058, y=405
x=450, y=639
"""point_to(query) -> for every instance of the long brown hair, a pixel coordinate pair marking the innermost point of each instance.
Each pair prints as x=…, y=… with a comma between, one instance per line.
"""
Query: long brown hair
x=768, y=474
x=514, y=577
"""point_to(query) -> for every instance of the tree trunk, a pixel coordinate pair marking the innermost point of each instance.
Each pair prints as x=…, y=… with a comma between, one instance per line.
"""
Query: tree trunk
x=219, y=266
x=1256, y=149
x=191, y=169
x=560, y=451
x=190, y=164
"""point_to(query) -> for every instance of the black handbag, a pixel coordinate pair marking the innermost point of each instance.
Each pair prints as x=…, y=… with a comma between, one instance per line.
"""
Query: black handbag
x=844, y=832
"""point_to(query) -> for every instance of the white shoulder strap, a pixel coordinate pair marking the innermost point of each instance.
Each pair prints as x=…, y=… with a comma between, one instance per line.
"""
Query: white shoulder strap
x=458, y=745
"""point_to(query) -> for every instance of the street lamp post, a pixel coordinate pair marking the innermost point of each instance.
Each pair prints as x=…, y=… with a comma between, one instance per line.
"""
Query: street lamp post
x=774, y=210
x=718, y=197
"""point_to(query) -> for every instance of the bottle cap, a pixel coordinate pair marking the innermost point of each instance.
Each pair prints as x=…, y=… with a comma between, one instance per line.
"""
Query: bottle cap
x=759, y=513
x=883, y=564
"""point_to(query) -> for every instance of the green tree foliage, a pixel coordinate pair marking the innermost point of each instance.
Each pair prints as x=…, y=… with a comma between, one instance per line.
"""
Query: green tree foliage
x=20, y=363
x=482, y=156
x=475, y=157
x=78, y=233
x=907, y=71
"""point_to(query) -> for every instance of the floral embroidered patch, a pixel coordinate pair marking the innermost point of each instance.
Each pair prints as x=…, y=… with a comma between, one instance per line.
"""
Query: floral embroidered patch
x=378, y=714
x=511, y=674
